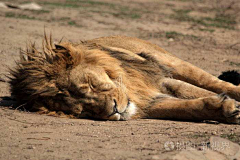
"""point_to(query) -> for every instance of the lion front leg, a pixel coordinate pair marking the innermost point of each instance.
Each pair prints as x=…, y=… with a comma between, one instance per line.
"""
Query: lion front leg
x=219, y=108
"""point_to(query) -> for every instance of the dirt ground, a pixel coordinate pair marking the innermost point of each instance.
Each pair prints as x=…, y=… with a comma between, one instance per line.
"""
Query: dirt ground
x=203, y=32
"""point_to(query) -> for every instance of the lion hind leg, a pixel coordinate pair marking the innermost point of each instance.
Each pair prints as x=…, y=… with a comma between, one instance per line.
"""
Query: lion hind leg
x=183, y=90
x=189, y=73
x=219, y=108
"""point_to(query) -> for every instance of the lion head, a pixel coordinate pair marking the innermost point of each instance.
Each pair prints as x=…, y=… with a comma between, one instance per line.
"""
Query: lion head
x=66, y=78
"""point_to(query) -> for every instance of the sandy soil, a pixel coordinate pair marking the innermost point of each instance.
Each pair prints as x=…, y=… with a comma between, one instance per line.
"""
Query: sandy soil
x=203, y=32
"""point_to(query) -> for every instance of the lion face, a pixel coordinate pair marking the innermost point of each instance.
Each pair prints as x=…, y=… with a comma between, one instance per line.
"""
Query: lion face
x=99, y=95
x=94, y=89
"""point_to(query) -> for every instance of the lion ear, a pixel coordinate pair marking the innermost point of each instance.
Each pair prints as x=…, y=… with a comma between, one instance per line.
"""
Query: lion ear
x=60, y=47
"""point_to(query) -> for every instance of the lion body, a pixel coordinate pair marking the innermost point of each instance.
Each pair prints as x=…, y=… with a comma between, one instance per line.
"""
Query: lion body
x=120, y=78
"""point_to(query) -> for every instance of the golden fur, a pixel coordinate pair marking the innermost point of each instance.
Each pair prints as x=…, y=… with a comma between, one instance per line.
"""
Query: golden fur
x=119, y=78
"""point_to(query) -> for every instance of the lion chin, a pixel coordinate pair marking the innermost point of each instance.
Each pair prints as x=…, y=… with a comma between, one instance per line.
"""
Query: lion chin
x=126, y=115
x=119, y=78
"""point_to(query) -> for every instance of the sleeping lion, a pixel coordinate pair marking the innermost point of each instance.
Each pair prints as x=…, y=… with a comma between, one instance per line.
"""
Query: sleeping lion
x=119, y=78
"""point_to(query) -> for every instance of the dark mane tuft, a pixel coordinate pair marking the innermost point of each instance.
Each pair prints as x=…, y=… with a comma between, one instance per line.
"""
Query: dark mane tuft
x=230, y=76
x=37, y=73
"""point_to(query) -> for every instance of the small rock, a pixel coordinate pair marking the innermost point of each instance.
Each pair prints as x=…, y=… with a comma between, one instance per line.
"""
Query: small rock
x=30, y=147
x=170, y=39
x=224, y=146
x=30, y=6
x=214, y=133
x=3, y=5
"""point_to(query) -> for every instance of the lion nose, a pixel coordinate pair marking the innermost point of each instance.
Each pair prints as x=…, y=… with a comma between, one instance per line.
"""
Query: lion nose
x=115, y=110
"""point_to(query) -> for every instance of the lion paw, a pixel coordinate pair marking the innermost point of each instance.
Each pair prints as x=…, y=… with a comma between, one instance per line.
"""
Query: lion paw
x=223, y=109
x=231, y=110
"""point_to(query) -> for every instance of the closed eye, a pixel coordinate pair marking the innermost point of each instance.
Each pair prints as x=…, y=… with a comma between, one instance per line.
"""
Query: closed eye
x=101, y=87
x=98, y=86
x=105, y=87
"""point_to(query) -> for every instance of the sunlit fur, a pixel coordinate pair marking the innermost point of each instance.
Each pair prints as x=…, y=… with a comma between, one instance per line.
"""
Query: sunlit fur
x=119, y=78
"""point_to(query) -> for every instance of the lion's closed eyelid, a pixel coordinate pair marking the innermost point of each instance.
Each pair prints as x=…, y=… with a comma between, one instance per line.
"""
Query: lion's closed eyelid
x=101, y=87
x=83, y=86
x=106, y=87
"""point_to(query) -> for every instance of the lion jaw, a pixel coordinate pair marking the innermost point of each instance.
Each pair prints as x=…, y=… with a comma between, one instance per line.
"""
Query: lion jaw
x=127, y=114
